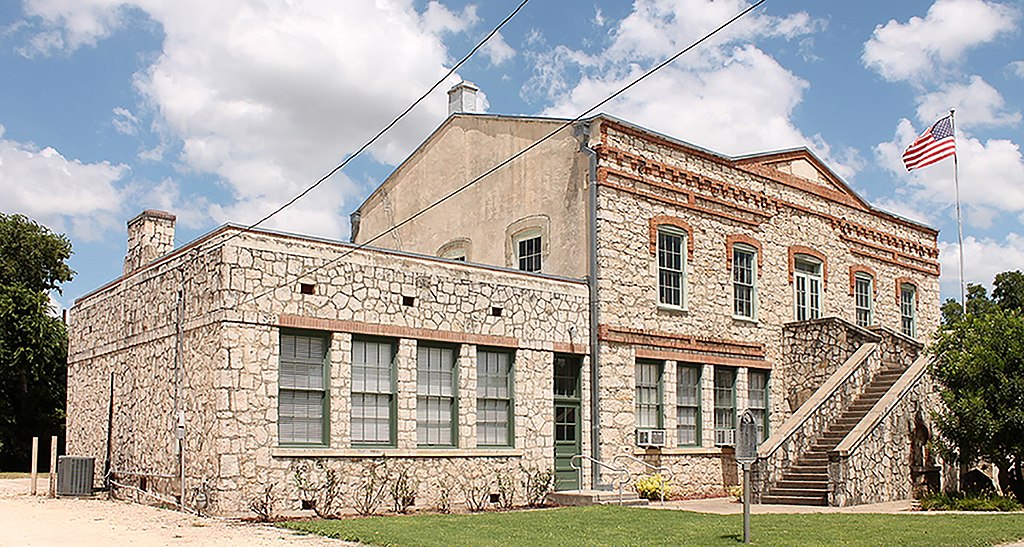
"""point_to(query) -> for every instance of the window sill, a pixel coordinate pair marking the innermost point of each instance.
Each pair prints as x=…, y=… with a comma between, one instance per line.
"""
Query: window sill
x=679, y=451
x=291, y=452
x=751, y=320
x=672, y=309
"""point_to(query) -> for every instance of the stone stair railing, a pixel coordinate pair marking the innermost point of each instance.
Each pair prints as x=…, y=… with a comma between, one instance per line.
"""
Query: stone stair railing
x=872, y=463
x=799, y=433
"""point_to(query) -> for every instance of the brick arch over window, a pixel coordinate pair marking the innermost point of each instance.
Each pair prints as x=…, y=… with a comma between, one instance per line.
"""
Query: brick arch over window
x=860, y=268
x=802, y=250
x=665, y=220
x=900, y=282
x=732, y=240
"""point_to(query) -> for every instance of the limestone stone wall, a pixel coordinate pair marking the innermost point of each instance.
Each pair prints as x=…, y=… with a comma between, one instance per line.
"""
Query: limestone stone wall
x=238, y=299
x=127, y=333
x=799, y=433
x=150, y=235
x=644, y=181
x=887, y=460
x=813, y=350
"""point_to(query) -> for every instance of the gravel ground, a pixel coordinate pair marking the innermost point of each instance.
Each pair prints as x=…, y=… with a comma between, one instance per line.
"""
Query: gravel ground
x=38, y=521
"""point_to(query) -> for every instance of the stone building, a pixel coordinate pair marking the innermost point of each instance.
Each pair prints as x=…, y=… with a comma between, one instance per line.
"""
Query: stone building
x=614, y=294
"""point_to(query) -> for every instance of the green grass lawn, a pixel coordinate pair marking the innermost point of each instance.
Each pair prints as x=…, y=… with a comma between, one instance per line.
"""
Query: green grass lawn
x=633, y=526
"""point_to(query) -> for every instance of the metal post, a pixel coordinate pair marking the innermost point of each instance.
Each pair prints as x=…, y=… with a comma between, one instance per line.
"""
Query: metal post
x=746, y=503
x=107, y=483
x=35, y=463
x=53, y=466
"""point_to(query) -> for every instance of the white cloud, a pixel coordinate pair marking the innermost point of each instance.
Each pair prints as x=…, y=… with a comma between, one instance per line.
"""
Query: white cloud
x=983, y=259
x=917, y=49
x=60, y=193
x=72, y=24
x=125, y=122
x=269, y=96
x=498, y=50
x=599, y=19
x=728, y=95
x=990, y=173
x=437, y=18
x=977, y=103
x=1017, y=68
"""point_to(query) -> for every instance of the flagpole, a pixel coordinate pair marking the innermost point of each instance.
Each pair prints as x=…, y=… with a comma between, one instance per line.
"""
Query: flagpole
x=959, y=221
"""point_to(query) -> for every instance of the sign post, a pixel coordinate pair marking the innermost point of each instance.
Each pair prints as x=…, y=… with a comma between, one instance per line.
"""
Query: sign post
x=746, y=454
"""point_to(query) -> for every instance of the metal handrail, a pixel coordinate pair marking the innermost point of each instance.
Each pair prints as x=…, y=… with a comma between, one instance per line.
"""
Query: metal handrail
x=659, y=469
x=623, y=473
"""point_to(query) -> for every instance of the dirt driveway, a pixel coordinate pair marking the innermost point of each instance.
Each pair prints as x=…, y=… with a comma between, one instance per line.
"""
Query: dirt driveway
x=39, y=521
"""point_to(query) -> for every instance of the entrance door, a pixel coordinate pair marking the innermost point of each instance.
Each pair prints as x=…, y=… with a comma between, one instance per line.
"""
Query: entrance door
x=568, y=432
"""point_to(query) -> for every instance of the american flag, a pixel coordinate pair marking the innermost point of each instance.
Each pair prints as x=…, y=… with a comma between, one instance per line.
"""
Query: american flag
x=935, y=144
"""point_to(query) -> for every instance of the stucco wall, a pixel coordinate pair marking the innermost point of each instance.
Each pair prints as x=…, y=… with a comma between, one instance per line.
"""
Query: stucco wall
x=547, y=186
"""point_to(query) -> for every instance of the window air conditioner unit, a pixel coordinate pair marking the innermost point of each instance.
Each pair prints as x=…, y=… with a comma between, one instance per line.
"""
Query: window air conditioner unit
x=650, y=437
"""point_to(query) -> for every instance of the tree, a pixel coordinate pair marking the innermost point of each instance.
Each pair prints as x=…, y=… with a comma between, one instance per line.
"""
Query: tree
x=1009, y=290
x=33, y=343
x=979, y=362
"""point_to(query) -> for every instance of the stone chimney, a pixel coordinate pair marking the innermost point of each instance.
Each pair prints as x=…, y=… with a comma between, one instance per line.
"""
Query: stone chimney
x=462, y=98
x=150, y=236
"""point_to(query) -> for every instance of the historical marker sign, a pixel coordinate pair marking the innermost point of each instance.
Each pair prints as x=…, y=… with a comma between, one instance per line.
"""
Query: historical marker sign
x=746, y=444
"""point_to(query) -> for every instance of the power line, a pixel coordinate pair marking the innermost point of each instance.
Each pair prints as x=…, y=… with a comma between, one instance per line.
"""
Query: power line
x=524, y=151
x=385, y=129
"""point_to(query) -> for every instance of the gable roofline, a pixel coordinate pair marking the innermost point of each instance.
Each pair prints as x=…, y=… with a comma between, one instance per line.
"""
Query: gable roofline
x=754, y=163
x=436, y=133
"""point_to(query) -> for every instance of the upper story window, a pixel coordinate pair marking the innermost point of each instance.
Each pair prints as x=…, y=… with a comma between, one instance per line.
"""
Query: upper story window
x=744, y=277
x=302, y=389
x=456, y=249
x=908, y=309
x=671, y=266
x=527, y=243
x=529, y=252
x=863, y=291
x=807, y=287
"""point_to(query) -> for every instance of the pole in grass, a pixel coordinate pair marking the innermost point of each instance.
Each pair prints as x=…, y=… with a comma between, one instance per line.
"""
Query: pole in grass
x=746, y=453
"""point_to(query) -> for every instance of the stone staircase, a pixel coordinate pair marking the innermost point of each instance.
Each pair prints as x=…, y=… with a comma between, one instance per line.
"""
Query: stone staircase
x=806, y=481
x=595, y=497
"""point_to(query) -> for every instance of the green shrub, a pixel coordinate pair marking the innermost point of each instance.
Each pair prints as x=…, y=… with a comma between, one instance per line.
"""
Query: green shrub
x=958, y=501
x=652, y=487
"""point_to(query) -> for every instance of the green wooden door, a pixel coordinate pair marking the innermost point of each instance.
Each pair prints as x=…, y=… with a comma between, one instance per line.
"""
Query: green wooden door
x=568, y=432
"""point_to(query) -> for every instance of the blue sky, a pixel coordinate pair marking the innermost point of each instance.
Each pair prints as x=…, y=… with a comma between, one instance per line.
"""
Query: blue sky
x=220, y=111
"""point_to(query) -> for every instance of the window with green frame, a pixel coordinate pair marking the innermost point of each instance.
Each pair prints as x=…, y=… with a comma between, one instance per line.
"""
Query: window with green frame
x=688, y=404
x=495, y=404
x=725, y=406
x=648, y=394
x=436, y=403
x=757, y=401
x=373, y=392
x=302, y=403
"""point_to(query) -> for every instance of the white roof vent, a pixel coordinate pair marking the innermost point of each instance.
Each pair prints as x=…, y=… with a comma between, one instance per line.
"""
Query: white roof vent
x=463, y=98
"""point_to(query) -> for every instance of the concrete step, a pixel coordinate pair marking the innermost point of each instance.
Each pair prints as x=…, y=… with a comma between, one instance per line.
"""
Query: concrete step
x=793, y=500
x=801, y=476
x=821, y=484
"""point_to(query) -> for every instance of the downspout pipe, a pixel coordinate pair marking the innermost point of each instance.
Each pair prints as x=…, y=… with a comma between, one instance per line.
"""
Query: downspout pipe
x=592, y=276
